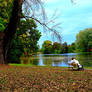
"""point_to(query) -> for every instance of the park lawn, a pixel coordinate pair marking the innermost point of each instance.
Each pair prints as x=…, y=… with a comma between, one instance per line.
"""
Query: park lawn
x=44, y=79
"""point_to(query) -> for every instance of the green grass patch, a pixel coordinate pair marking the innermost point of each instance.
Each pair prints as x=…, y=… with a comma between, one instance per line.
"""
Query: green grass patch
x=41, y=66
x=87, y=67
x=20, y=64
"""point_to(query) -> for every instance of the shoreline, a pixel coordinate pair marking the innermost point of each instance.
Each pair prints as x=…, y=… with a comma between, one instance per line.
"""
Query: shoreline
x=30, y=65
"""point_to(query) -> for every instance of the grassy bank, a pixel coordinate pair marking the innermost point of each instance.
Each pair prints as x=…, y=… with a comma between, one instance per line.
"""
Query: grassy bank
x=44, y=79
x=25, y=65
x=20, y=65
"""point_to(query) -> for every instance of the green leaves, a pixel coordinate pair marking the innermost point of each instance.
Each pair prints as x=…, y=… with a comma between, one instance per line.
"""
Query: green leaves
x=2, y=24
x=25, y=40
x=56, y=47
x=2, y=27
x=29, y=34
x=47, y=47
x=5, y=12
x=84, y=40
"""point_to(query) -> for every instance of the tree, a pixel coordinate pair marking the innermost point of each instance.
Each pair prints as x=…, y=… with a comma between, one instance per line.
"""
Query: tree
x=57, y=47
x=65, y=47
x=25, y=40
x=84, y=40
x=29, y=35
x=16, y=50
x=10, y=30
x=5, y=12
x=47, y=47
x=71, y=48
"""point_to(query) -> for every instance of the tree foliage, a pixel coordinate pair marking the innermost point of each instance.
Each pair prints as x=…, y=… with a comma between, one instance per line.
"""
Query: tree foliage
x=47, y=47
x=71, y=48
x=84, y=40
x=65, y=47
x=29, y=34
x=25, y=40
x=55, y=48
x=5, y=13
x=16, y=50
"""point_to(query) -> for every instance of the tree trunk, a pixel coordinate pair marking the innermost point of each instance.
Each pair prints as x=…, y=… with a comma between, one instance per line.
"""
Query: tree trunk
x=10, y=31
x=1, y=48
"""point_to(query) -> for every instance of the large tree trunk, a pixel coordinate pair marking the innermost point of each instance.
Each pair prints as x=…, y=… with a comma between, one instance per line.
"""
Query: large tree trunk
x=10, y=31
x=1, y=48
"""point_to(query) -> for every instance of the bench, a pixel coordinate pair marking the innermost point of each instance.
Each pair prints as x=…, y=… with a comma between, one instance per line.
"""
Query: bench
x=75, y=66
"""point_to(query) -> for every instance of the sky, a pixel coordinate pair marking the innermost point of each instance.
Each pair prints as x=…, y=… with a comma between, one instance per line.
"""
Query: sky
x=72, y=16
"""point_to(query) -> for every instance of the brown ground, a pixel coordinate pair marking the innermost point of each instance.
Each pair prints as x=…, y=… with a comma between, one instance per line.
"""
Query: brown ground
x=44, y=79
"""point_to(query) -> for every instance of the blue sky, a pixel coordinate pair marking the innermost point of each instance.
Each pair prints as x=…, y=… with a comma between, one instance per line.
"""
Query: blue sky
x=74, y=17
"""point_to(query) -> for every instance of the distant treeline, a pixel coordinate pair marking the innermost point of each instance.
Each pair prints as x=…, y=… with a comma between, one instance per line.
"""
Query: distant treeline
x=83, y=43
x=56, y=47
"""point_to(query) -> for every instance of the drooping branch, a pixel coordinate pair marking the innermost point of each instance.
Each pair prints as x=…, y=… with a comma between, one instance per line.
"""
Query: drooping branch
x=38, y=14
x=52, y=29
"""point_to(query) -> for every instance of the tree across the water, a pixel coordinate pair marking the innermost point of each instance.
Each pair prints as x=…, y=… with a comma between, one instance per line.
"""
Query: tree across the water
x=84, y=40
x=56, y=48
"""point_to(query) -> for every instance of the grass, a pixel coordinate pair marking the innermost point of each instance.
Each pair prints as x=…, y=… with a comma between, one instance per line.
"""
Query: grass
x=44, y=79
x=87, y=67
x=24, y=65
x=20, y=64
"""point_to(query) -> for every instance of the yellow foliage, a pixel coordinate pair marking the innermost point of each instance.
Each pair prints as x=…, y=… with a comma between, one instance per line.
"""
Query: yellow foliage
x=5, y=3
x=24, y=35
x=5, y=20
x=10, y=1
x=27, y=33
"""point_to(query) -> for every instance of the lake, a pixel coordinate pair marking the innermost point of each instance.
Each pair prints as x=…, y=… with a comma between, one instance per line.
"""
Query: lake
x=60, y=60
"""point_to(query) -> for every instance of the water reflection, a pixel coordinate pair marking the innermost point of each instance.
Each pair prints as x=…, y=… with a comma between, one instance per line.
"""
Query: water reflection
x=60, y=64
x=60, y=60
x=40, y=61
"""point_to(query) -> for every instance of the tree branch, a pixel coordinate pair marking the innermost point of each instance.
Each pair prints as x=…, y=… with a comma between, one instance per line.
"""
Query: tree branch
x=47, y=27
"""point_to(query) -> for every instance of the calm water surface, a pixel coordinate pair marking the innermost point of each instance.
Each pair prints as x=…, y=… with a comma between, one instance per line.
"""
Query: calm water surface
x=60, y=60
